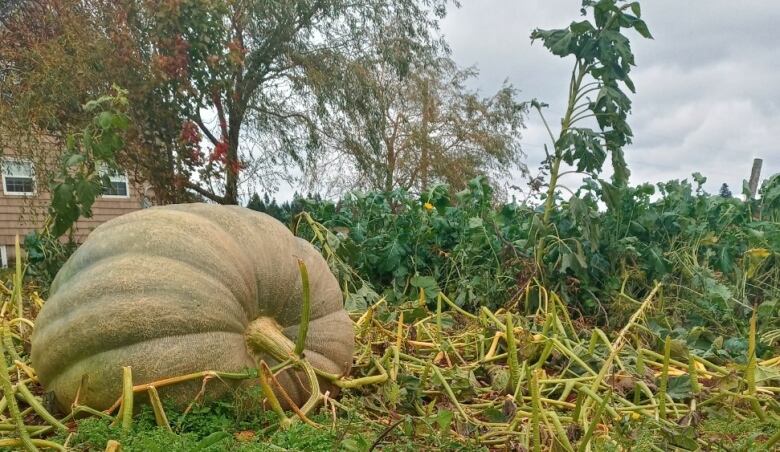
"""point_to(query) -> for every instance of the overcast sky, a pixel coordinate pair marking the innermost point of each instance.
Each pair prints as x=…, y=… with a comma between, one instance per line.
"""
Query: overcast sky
x=708, y=85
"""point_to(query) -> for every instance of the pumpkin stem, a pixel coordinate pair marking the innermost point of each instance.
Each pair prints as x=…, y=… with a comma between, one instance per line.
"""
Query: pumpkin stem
x=303, y=328
x=264, y=337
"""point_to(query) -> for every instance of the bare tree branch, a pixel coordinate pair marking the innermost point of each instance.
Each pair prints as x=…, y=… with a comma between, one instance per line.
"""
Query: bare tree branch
x=201, y=191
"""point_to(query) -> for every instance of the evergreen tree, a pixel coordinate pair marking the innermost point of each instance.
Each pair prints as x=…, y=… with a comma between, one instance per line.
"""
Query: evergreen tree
x=255, y=203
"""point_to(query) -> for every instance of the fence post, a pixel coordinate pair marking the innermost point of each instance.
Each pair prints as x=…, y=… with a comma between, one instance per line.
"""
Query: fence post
x=755, y=175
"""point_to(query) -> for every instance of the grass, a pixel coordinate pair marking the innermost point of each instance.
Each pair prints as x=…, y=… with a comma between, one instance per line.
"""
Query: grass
x=225, y=425
x=219, y=427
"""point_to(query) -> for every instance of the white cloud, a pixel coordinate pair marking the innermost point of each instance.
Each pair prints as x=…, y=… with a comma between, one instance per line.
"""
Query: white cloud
x=708, y=96
x=708, y=90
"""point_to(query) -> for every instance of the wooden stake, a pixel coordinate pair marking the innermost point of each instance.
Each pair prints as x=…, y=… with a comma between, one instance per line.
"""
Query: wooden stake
x=755, y=175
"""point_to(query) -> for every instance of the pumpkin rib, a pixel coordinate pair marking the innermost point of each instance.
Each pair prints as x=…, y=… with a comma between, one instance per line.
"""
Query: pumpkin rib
x=134, y=355
x=155, y=294
x=159, y=323
x=144, y=251
x=63, y=309
x=145, y=254
x=248, y=226
x=77, y=361
x=322, y=339
x=67, y=271
x=319, y=307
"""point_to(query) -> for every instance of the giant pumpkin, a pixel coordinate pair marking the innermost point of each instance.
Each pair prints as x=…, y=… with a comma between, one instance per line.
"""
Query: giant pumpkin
x=174, y=290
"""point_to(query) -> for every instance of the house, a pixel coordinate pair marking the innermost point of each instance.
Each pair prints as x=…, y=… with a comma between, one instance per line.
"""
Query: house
x=24, y=202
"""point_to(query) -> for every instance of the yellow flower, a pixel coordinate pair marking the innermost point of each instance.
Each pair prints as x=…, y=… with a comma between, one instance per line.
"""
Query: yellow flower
x=428, y=206
x=755, y=257
x=761, y=253
x=709, y=239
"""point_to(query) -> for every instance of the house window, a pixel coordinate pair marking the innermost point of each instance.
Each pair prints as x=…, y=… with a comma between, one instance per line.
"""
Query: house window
x=18, y=177
x=117, y=186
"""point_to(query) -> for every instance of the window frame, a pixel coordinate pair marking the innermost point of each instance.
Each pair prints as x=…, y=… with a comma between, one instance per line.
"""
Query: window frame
x=5, y=161
x=103, y=170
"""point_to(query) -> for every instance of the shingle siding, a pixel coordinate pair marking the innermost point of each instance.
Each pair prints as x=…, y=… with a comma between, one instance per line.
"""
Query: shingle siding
x=22, y=214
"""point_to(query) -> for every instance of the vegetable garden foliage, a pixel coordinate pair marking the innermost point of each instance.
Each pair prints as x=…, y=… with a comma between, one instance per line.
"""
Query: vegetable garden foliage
x=714, y=254
x=717, y=257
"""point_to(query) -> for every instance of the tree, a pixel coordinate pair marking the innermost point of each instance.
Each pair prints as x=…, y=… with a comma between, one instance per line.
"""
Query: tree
x=249, y=63
x=220, y=90
x=725, y=192
x=417, y=126
x=256, y=203
x=59, y=54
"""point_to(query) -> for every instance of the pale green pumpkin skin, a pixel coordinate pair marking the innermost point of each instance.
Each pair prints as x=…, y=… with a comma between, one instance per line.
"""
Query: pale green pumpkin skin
x=170, y=291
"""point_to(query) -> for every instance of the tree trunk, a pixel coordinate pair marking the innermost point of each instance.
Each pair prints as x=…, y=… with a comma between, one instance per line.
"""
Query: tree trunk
x=389, y=166
x=231, y=170
x=232, y=165
x=163, y=197
x=424, y=145
x=389, y=171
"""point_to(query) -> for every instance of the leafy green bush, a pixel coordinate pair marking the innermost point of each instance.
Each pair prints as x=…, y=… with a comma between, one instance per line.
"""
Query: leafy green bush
x=718, y=256
x=402, y=243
